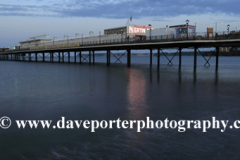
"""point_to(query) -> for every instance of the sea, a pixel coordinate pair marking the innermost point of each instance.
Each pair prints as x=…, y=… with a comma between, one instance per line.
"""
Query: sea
x=50, y=91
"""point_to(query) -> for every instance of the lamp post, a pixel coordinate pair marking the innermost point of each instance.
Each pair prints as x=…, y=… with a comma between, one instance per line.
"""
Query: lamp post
x=99, y=37
x=228, y=26
x=54, y=39
x=82, y=39
x=150, y=26
x=187, y=21
x=65, y=36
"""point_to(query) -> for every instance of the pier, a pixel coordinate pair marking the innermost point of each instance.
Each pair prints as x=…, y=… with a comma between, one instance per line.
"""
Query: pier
x=62, y=55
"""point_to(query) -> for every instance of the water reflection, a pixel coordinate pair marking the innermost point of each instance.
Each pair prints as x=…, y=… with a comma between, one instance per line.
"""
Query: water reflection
x=137, y=108
x=216, y=77
x=137, y=94
x=156, y=74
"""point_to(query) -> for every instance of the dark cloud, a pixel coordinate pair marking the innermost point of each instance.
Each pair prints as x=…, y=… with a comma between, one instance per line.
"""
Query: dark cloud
x=123, y=8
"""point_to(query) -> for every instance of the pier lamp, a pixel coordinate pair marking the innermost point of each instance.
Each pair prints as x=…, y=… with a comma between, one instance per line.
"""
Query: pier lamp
x=228, y=26
x=82, y=39
x=121, y=34
x=99, y=37
x=54, y=39
x=65, y=36
x=187, y=21
x=150, y=26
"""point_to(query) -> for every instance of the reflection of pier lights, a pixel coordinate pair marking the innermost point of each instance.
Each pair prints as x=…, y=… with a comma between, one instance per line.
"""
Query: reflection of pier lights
x=136, y=93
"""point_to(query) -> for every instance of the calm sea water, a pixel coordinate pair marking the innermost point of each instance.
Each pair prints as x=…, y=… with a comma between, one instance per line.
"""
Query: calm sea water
x=46, y=91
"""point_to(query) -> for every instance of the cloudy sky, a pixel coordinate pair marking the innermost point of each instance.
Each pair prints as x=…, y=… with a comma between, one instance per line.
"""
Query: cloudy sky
x=22, y=19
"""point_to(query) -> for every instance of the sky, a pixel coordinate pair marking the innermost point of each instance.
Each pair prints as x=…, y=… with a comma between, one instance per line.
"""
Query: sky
x=22, y=19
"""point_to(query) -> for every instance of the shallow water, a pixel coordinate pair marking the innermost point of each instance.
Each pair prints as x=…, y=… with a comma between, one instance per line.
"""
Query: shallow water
x=46, y=91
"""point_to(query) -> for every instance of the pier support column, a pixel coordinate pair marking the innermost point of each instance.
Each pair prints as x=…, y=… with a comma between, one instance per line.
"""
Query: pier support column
x=80, y=57
x=24, y=56
x=75, y=57
x=68, y=57
x=62, y=57
x=195, y=59
x=90, y=57
x=30, y=57
x=217, y=57
x=52, y=57
x=108, y=58
x=158, y=59
x=59, y=57
x=93, y=57
x=151, y=58
x=129, y=58
x=11, y=57
x=36, y=58
x=43, y=54
x=180, y=58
